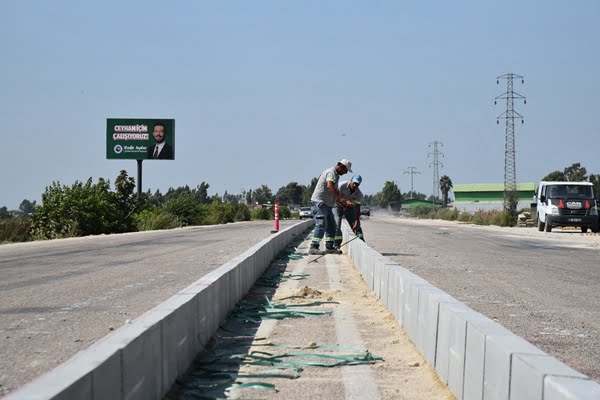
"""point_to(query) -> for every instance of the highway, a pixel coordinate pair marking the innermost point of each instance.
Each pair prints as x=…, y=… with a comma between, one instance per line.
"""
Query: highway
x=59, y=296
x=542, y=286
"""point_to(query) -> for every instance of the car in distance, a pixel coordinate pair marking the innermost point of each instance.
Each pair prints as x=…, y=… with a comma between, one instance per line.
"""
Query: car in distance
x=305, y=212
x=365, y=210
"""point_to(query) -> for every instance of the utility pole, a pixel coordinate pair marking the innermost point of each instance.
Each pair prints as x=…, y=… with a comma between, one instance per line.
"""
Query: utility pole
x=436, y=163
x=412, y=171
x=510, y=171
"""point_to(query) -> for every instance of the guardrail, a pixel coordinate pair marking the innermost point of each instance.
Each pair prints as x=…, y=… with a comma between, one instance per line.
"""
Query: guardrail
x=141, y=360
x=476, y=357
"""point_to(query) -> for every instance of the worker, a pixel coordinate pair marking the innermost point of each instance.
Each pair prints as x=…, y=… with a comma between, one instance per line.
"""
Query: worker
x=350, y=211
x=324, y=199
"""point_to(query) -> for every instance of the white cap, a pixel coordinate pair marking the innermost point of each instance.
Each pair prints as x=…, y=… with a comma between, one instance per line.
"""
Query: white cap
x=346, y=163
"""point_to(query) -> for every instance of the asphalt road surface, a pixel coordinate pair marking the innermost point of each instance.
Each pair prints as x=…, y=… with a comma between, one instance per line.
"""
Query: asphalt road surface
x=57, y=297
x=541, y=286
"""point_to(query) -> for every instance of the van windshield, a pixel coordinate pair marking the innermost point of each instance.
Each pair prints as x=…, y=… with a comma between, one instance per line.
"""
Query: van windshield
x=569, y=192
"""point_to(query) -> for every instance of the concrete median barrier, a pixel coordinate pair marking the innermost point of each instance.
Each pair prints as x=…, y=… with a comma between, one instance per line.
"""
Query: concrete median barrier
x=477, y=358
x=141, y=360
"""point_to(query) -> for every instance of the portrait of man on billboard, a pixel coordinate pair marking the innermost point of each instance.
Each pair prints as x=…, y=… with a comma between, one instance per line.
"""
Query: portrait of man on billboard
x=160, y=150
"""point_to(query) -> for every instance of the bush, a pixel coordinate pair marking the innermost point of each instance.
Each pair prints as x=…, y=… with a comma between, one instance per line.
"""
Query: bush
x=152, y=219
x=448, y=214
x=481, y=217
x=218, y=213
x=187, y=210
x=262, y=213
x=15, y=230
x=423, y=211
x=241, y=212
x=284, y=212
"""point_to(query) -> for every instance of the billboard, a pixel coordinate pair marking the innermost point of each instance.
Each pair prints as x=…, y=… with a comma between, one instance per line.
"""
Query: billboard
x=140, y=139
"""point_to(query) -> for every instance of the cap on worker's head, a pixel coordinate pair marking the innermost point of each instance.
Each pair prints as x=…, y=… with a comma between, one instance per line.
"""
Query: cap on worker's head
x=357, y=179
x=346, y=163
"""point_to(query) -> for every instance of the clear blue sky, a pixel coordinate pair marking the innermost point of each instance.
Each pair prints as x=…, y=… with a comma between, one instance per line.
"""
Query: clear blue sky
x=269, y=92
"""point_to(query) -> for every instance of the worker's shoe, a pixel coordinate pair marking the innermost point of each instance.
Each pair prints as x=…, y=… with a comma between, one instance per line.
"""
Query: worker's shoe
x=314, y=251
x=332, y=250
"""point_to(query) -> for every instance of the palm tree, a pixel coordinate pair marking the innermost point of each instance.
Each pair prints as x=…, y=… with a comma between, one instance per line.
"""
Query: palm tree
x=445, y=186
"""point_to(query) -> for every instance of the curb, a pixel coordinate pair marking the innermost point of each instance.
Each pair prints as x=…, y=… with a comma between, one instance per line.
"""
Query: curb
x=141, y=360
x=476, y=357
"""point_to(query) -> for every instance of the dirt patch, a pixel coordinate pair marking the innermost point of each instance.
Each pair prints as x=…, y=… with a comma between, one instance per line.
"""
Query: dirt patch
x=309, y=293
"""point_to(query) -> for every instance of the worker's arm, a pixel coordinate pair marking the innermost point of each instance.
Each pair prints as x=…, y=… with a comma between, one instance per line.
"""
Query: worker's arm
x=338, y=197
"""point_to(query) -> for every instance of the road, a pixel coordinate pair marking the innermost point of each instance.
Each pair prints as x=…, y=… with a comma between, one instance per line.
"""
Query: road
x=542, y=286
x=59, y=296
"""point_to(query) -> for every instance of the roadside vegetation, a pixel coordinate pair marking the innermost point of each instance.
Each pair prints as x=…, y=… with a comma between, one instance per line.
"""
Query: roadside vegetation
x=93, y=208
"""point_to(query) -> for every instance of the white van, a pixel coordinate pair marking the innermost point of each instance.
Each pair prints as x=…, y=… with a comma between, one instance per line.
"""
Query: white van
x=566, y=204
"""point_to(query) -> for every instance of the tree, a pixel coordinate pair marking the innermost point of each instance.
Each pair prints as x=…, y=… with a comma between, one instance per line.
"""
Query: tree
x=4, y=213
x=445, y=186
x=262, y=195
x=201, y=193
x=555, y=176
x=126, y=202
x=390, y=195
x=291, y=193
x=86, y=209
x=308, y=191
x=27, y=207
x=576, y=173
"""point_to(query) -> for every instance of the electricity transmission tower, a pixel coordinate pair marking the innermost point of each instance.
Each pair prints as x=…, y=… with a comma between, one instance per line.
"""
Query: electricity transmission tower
x=412, y=171
x=436, y=163
x=510, y=171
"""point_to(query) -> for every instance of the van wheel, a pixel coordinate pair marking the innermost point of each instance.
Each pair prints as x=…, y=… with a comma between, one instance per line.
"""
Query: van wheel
x=584, y=229
x=540, y=223
x=548, y=224
x=595, y=229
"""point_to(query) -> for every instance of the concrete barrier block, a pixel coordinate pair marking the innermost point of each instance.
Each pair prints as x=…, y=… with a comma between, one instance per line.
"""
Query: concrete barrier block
x=393, y=288
x=404, y=279
x=180, y=335
x=451, y=345
x=369, y=272
x=388, y=286
x=529, y=371
x=478, y=328
x=378, y=271
x=411, y=310
x=141, y=355
x=208, y=321
x=569, y=388
x=430, y=299
x=499, y=351
x=385, y=280
x=410, y=302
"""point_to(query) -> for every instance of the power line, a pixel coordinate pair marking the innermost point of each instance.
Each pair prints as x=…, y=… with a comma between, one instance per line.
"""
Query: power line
x=510, y=169
x=436, y=163
x=412, y=171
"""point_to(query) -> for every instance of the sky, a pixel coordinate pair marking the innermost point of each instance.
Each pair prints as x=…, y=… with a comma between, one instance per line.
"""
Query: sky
x=273, y=92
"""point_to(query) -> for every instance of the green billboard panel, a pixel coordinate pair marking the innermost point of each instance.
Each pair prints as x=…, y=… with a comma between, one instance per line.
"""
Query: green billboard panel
x=140, y=139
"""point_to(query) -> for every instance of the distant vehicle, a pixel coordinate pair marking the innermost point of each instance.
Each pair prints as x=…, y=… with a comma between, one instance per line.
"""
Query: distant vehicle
x=365, y=210
x=566, y=204
x=305, y=212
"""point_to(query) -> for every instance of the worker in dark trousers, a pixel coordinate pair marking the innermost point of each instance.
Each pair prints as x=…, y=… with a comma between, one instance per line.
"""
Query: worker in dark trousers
x=350, y=210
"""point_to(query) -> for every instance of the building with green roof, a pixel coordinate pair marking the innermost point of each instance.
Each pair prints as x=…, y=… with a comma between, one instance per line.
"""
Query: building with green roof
x=489, y=196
